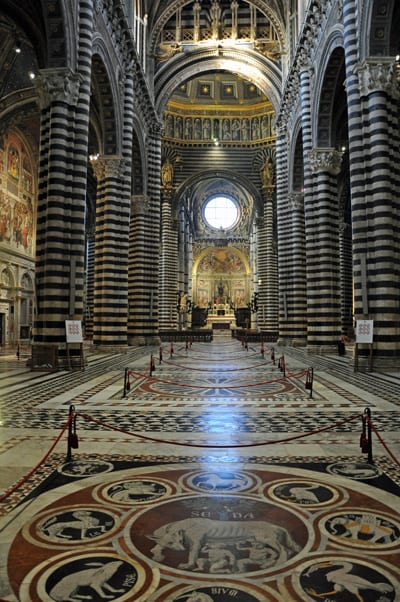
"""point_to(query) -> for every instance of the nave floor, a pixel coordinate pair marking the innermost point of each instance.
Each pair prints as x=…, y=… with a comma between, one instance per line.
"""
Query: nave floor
x=217, y=478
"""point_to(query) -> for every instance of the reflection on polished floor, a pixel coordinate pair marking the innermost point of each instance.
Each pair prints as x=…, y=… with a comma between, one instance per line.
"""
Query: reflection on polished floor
x=217, y=477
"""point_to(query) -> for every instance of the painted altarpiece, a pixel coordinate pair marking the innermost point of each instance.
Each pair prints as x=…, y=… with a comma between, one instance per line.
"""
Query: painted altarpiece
x=221, y=276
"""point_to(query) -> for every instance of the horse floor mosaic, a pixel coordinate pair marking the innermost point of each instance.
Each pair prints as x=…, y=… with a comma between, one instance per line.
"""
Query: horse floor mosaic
x=214, y=478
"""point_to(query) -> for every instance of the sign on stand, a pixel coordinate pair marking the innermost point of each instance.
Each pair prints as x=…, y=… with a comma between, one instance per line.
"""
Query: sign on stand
x=364, y=331
x=73, y=333
x=73, y=329
x=364, y=334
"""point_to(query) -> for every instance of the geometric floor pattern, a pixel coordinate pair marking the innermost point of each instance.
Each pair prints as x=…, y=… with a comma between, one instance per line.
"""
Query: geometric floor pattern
x=215, y=478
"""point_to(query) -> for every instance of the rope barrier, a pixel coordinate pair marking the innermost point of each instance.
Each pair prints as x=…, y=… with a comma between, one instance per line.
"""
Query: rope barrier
x=211, y=360
x=152, y=365
x=216, y=369
x=381, y=441
x=218, y=357
x=70, y=425
x=229, y=446
x=281, y=366
x=227, y=387
x=39, y=464
x=365, y=417
x=365, y=438
x=209, y=354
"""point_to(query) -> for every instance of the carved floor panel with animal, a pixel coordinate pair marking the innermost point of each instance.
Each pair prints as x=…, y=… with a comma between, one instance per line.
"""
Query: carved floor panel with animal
x=246, y=532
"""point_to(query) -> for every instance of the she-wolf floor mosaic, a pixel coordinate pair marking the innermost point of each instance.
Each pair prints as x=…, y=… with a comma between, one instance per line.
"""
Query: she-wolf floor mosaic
x=248, y=532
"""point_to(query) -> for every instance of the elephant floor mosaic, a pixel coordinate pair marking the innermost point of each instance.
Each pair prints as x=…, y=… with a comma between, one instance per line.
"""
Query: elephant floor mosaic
x=205, y=532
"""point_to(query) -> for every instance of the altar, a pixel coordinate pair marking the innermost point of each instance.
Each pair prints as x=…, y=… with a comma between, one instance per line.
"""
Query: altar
x=220, y=309
x=221, y=317
x=221, y=325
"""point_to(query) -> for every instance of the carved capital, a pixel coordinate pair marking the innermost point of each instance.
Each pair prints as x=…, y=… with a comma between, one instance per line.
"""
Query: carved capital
x=54, y=85
x=268, y=193
x=325, y=159
x=304, y=63
x=108, y=167
x=282, y=133
x=156, y=128
x=140, y=204
x=378, y=75
x=344, y=228
x=167, y=192
x=296, y=201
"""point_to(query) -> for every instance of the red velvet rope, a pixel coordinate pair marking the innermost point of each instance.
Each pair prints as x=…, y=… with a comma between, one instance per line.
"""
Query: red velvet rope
x=382, y=441
x=30, y=473
x=218, y=357
x=157, y=440
x=73, y=416
x=214, y=369
x=243, y=386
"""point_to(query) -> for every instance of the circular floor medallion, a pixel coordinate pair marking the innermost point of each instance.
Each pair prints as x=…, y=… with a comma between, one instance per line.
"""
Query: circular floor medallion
x=220, y=481
x=223, y=592
x=91, y=576
x=187, y=542
x=344, y=579
x=131, y=492
x=72, y=526
x=79, y=469
x=218, y=535
x=359, y=471
x=362, y=529
x=311, y=494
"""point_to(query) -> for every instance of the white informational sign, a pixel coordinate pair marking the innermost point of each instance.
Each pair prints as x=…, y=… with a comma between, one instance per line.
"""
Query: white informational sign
x=73, y=329
x=364, y=331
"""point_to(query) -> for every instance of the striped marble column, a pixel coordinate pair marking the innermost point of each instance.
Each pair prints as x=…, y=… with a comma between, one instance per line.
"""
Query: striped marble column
x=64, y=98
x=358, y=150
x=184, y=264
x=300, y=268
x=60, y=238
x=138, y=307
x=306, y=122
x=111, y=254
x=260, y=281
x=85, y=52
x=80, y=151
x=89, y=288
x=284, y=233
x=346, y=280
x=168, y=263
x=182, y=252
x=323, y=275
x=267, y=265
x=298, y=298
x=292, y=272
x=127, y=130
x=377, y=220
x=189, y=268
x=256, y=284
x=144, y=252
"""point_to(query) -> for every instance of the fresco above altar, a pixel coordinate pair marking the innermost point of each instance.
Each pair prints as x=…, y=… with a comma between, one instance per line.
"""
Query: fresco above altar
x=221, y=261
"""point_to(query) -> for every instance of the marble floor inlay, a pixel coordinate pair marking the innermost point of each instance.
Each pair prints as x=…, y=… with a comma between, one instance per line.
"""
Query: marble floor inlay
x=216, y=478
